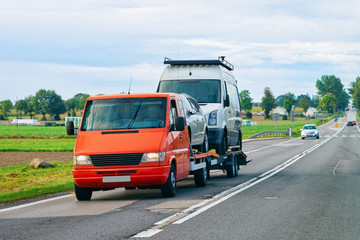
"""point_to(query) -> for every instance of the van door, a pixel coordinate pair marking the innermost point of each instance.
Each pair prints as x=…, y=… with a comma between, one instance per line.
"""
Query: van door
x=180, y=144
x=233, y=111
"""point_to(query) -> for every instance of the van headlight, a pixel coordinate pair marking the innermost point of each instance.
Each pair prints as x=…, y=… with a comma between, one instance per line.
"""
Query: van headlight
x=213, y=118
x=153, y=157
x=82, y=160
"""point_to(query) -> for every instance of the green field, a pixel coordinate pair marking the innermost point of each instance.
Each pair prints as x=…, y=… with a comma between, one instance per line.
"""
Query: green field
x=23, y=181
x=37, y=145
x=14, y=131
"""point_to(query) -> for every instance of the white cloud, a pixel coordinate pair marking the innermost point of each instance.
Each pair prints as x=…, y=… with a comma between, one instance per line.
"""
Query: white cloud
x=96, y=46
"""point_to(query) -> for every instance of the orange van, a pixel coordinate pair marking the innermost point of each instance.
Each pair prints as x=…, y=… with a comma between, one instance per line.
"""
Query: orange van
x=131, y=140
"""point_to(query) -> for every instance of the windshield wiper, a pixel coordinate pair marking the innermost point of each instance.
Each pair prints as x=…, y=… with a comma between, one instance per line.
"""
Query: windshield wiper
x=135, y=115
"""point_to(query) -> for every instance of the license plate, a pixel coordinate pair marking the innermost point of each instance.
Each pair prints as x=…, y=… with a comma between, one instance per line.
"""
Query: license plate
x=111, y=179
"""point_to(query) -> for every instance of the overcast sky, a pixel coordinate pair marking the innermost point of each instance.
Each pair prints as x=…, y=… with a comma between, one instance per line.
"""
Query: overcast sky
x=97, y=46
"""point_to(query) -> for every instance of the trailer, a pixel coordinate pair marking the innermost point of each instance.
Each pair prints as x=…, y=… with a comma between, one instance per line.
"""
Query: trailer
x=202, y=163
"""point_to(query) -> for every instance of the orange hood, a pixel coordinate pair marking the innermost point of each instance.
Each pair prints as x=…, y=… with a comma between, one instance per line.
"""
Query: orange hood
x=117, y=142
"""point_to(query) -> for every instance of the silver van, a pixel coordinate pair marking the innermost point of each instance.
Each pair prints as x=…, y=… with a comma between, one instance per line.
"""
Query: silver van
x=213, y=85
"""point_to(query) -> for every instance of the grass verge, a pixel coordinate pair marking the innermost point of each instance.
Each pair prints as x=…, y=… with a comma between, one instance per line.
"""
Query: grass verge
x=37, y=145
x=23, y=181
x=14, y=131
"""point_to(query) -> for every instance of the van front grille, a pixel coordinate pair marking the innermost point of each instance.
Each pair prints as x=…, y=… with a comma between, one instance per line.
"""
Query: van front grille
x=108, y=160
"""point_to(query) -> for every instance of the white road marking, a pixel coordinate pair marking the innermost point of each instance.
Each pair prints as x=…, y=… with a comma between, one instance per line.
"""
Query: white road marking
x=147, y=233
x=183, y=216
x=34, y=203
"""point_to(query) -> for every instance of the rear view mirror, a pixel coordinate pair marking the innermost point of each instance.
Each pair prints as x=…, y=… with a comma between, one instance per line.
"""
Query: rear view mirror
x=180, y=123
x=70, y=129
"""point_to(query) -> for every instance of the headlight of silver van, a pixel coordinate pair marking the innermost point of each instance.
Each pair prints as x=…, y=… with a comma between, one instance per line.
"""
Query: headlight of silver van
x=213, y=118
x=153, y=157
x=82, y=160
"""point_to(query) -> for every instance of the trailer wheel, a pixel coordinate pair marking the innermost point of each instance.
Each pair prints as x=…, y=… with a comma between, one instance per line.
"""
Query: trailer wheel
x=237, y=167
x=232, y=170
x=169, y=188
x=83, y=194
x=201, y=177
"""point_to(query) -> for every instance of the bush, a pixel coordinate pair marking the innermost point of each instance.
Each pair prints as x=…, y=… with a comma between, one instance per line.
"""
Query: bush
x=2, y=117
x=284, y=117
x=248, y=115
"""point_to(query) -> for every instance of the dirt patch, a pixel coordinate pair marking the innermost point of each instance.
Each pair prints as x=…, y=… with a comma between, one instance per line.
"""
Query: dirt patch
x=14, y=158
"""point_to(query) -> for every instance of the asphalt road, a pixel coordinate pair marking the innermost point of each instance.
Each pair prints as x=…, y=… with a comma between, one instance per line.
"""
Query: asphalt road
x=293, y=189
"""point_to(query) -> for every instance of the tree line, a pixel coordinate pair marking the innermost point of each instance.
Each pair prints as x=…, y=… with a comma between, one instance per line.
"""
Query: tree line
x=331, y=97
x=44, y=102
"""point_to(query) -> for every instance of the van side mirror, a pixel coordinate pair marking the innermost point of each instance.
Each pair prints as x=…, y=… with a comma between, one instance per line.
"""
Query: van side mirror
x=192, y=112
x=70, y=129
x=227, y=101
x=180, y=123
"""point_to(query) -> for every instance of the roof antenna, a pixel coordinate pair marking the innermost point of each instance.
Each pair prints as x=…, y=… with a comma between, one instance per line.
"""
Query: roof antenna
x=130, y=84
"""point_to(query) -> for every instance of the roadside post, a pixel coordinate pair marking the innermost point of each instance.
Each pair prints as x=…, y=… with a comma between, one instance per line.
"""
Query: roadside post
x=293, y=115
x=276, y=117
x=336, y=122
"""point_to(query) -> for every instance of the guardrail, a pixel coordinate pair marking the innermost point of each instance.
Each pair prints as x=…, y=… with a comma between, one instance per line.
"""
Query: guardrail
x=267, y=134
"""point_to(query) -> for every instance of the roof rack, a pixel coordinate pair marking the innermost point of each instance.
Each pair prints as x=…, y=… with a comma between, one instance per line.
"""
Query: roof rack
x=220, y=61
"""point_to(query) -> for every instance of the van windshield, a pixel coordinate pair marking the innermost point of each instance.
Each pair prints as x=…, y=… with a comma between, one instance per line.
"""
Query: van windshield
x=204, y=91
x=124, y=113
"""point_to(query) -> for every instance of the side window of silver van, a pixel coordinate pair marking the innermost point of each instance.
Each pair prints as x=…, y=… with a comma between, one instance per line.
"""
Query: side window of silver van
x=234, y=96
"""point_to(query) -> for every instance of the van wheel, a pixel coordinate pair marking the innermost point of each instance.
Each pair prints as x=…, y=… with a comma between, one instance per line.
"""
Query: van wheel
x=83, y=194
x=169, y=188
x=222, y=149
x=205, y=145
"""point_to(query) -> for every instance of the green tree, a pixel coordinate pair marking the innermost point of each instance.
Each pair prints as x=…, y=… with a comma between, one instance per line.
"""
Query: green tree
x=21, y=106
x=304, y=103
x=40, y=102
x=30, y=106
x=355, y=92
x=5, y=106
x=55, y=105
x=333, y=85
x=280, y=100
x=289, y=101
x=71, y=105
x=267, y=102
x=48, y=102
x=328, y=103
x=246, y=100
x=82, y=101
x=315, y=101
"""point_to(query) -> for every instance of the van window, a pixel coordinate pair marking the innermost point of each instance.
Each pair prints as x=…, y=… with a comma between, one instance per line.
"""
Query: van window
x=124, y=113
x=204, y=91
x=234, y=96
x=181, y=107
x=173, y=114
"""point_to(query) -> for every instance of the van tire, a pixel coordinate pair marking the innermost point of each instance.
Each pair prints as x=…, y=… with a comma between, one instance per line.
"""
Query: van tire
x=223, y=147
x=169, y=188
x=82, y=194
x=205, y=145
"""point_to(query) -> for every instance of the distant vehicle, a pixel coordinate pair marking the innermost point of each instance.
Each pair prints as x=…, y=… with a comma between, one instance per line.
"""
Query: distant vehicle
x=310, y=130
x=196, y=121
x=213, y=85
x=349, y=124
x=351, y=116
